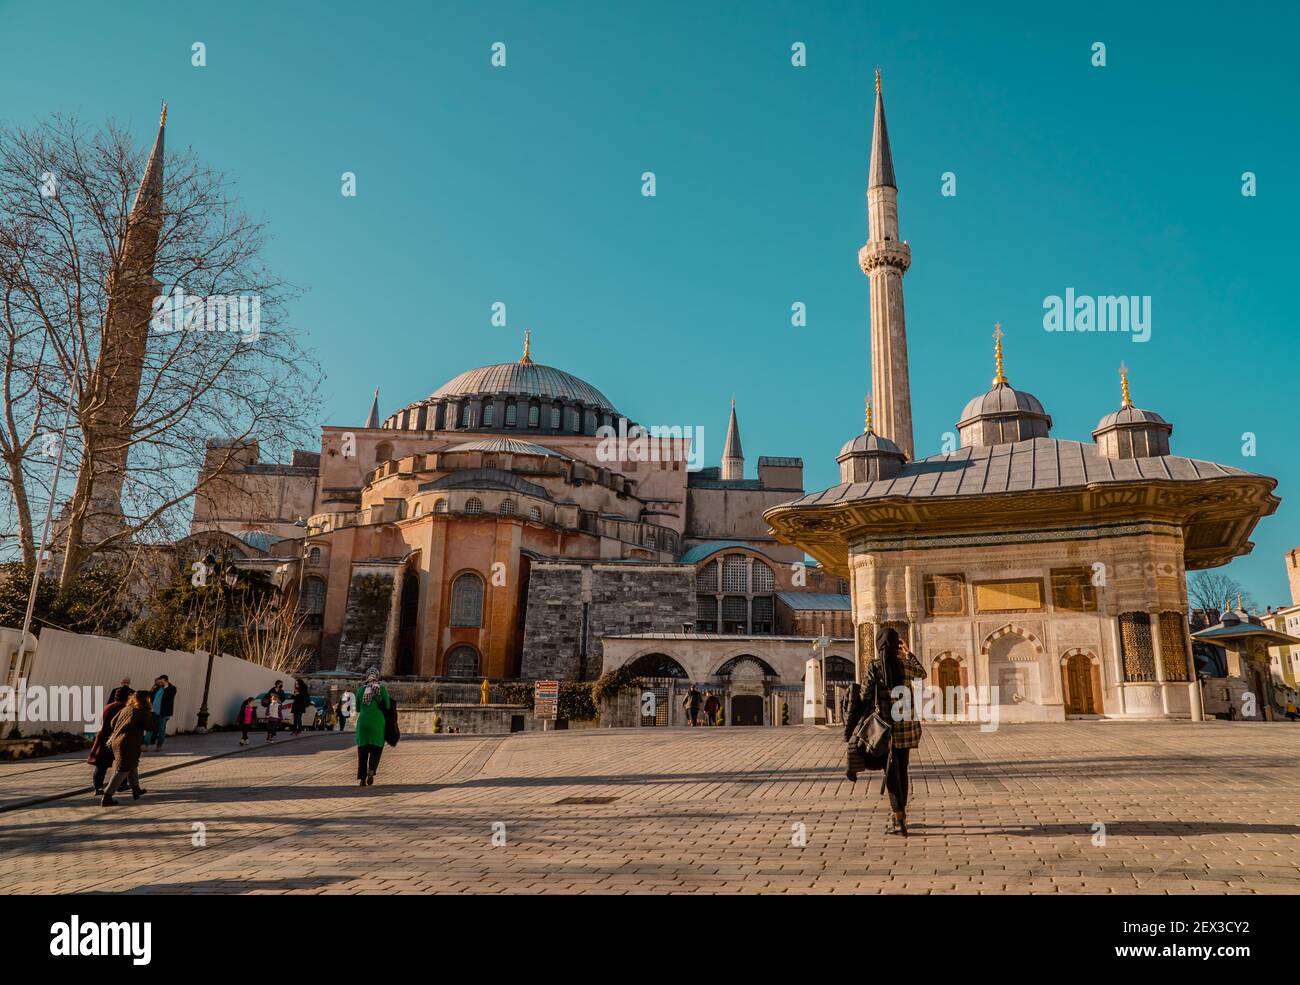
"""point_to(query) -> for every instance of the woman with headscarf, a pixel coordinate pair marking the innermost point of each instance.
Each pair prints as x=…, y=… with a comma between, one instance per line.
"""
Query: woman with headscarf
x=126, y=741
x=301, y=699
x=893, y=667
x=372, y=700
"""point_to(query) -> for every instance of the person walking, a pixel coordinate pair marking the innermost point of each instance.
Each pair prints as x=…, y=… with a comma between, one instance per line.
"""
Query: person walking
x=894, y=667
x=101, y=753
x=341, y=713
x=163, y=699
x=711, y=706
x=692, y=705
x=127, y=742
x=246, y=717
x=373, y=701
x=301, y=699
x=274, y=715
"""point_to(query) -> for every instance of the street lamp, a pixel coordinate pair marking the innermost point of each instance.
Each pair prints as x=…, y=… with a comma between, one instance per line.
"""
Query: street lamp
x=231, y=579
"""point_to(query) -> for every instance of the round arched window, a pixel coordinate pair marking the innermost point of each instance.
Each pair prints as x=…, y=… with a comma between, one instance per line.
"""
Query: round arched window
x=440, y=506
x=467, y=600
x=535, y=515
x=474, y=505
x=462, y=661
x=507, y=507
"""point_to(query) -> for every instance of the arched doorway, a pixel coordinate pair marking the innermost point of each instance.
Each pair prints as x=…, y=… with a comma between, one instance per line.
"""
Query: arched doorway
x=947, y=678
x=746, y=709
x=1013, y=668
x=656, y=673
x=407, y=621
x=1081, y=696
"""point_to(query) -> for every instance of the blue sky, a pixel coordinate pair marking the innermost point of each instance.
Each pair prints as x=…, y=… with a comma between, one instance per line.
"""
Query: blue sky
x=523, y=184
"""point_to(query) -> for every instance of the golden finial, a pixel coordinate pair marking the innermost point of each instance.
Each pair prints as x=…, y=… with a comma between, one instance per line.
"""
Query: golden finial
x=1125, y=399
x=868, y=428
x=999, y=377
x=877, y=82
x=527, y=359
x=162, y=119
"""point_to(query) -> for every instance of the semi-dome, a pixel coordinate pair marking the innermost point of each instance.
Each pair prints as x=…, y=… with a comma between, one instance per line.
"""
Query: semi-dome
x=508, y=446
x=524, y=379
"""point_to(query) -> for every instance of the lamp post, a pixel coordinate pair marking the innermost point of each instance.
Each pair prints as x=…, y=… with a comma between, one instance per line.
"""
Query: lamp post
x=231, y=579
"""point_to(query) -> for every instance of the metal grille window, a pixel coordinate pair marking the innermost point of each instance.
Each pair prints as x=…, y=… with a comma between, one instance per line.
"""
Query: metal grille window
x=474, y=505
x=707, y=578
x=1173, y=646
x=313, y=558
x=512, y=414
x=507, y=507
x=763, y=580
x=312, y=602
x=535, y=515
x=461, y=661
x=762, y=614
x=706, y=613
x=440, y=506
x=489, y=415
x=533, y=415
x=1135, y=645
x=735, y=614
x=467, y=600
x=734, y=571
x=555, y=418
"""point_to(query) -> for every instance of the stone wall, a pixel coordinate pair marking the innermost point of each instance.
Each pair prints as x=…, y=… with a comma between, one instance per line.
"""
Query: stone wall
x=371, y=609
x=616, y=598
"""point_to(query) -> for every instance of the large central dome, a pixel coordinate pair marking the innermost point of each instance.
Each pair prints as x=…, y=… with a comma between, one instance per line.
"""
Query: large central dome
x=526, y=379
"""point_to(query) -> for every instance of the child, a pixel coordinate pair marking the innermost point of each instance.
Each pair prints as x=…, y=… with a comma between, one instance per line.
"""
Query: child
x=274, y=712
x=245, y=718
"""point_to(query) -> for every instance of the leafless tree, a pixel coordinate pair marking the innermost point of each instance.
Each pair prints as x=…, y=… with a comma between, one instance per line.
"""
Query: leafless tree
x=66, y=194
x=269, y=634
x=1212, y=589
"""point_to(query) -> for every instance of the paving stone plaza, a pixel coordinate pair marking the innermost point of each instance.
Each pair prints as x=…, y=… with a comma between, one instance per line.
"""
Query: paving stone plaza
x=1187, y=808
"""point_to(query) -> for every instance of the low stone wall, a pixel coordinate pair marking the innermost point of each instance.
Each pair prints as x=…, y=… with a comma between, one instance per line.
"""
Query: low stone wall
x=467, y=719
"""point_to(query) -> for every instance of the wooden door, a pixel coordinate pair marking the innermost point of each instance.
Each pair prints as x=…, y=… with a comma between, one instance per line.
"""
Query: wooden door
x=1080, y=681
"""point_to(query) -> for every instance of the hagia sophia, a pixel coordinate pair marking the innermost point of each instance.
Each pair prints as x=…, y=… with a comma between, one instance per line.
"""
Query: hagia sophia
x=479, y=532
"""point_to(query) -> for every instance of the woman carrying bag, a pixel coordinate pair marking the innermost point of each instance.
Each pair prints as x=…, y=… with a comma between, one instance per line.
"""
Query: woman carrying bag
x=877, y=739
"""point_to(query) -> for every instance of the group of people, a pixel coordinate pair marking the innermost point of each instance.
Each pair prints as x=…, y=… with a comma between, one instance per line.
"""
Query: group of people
x=696, y=701
x=273, y=704
x=132, y=721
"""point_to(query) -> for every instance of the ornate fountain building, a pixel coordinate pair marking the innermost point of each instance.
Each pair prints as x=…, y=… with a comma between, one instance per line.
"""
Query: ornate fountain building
x=1047, y=574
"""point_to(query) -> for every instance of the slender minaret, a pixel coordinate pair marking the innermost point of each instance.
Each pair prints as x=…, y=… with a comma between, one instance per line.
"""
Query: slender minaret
x=372, y=419
x=733, y=459
x=884, y=260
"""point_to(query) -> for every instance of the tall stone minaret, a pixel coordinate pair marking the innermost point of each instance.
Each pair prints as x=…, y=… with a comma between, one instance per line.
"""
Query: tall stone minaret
x=884, y=260
x=733, y=459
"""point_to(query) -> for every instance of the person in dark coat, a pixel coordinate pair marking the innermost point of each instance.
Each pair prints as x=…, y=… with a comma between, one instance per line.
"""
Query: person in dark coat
x=127, y=741
x=121, y=692
x=691, y=704
x=894, y=667
x=101, y=754
x=301, y=699
x=162, y=700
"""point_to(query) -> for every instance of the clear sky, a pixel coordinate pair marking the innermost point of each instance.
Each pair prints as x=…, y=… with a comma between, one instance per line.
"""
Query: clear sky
x=523, y=185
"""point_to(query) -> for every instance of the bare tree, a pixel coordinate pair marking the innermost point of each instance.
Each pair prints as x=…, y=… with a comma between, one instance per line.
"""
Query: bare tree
x=69, y=206
x=1215, y=589
x=269, y=634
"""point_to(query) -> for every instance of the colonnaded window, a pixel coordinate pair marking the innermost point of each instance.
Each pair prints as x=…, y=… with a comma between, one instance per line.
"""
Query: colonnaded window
x=1135, y=646
x=1173, y=646
x=706, y=613
x=739, y=593
x=467, y=600
x=462, y=661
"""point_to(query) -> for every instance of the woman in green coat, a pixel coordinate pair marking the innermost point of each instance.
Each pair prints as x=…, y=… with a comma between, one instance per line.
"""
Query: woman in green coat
x=372, y=700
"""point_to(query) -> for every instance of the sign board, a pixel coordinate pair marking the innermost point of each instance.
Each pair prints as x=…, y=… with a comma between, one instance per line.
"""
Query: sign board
x=546, y=699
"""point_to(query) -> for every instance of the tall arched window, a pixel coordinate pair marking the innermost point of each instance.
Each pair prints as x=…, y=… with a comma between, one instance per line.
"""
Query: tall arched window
x=489, y=415
x=467, y=600
x=474, y=505
x=555, y=418
x=313, y=557
x=464, y=415
x=533, y=412
x=312, y=601
x=461, y=661
x=512, y=414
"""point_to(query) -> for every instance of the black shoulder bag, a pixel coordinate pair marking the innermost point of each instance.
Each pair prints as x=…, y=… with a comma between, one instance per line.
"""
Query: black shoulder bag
x=873, y=732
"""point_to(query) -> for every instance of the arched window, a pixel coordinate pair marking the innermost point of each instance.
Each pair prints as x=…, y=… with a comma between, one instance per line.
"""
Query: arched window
x=464, y=415
x=383, y=452
x=512, y=414
x=535, y=515
x=440, y=506
x=734, y=568
x=313, y=557
x=533, y=412
x=575, y=422
x=417, y=509
x=489, y=415
x=467, y=600
x=507, y=507
x=763, y=580
x=555, y=418
x=474, y=505
x=312, y=601
x=461, y=661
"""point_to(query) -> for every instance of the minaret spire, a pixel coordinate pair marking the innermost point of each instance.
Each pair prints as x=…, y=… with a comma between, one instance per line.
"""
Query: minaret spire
x=999, y=377
x=733, y=459
x=372, y=419
x=884, y=260
x=1125, y=399
x=526, y=359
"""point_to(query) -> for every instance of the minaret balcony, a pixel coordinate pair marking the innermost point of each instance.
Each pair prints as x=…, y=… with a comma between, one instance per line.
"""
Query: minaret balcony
x=885, y=253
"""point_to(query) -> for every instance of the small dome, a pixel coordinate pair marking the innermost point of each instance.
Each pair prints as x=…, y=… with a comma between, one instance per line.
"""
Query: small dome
x=1130, y=416
x=869, y=443
x=1002, y=399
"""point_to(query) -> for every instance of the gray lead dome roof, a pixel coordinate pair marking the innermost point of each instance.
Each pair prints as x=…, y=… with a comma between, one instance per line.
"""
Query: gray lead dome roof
x=526, y=380
x=1002, y=399
x=869, y=442
x=1131, y=416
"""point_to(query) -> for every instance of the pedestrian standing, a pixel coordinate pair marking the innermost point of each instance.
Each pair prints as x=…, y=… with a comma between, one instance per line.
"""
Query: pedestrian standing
x=127, y=741
x=342, y=714
x=301, y=699
x=274, y=714
x=101, y=753
x=246, y=717
x=163, y=699
x=691, y=703
x=373, y=701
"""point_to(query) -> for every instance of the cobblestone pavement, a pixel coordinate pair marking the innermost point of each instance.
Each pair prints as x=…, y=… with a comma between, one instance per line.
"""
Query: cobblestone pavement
x=1187, y=808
